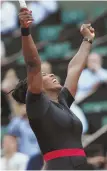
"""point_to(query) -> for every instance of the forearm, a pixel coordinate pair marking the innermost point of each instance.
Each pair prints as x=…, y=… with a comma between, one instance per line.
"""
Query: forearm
x=30, y=52
x=78, y=62
x=80, y=59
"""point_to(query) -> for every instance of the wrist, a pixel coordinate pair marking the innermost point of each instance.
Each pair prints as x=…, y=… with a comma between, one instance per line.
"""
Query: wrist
x=87, y=39
x=25, y=31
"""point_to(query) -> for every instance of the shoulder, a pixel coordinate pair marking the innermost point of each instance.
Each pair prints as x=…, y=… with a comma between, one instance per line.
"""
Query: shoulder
x=104, y=70
x=65, y=97
x=34, y=96
x=37, y=104
x=2, y=159
x=85, y=71
x=3, y=163
x=15, y=120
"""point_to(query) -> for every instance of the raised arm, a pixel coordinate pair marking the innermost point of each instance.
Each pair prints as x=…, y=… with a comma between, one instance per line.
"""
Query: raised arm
x=31, y=57
x=78, y=62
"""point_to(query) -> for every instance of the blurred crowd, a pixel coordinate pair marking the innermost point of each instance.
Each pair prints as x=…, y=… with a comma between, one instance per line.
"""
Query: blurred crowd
x=19, y=147
x=41, y=9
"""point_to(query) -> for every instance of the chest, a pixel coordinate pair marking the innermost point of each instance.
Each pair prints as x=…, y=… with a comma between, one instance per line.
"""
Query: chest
x=10, y=164
x=61, y=118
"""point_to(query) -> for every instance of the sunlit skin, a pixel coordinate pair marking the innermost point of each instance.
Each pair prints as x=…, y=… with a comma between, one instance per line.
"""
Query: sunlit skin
x=50, y=82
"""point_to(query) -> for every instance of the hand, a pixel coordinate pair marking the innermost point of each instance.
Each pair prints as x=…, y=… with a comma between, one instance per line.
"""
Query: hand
x=97, y=160
x=87, y=31
x=25, y=17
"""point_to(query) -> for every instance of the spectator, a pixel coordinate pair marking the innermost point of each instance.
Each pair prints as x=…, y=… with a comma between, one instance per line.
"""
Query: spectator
x=38, y=11
x=8, y=17
x=5, y=109
x=90, y=77
x=32, y=165
x=51, y=6
x=19, y=127
x=12, y=160
x=41, y=9
x=106, y=162
x=10, y=80
x=3, y=50
x=97, y=161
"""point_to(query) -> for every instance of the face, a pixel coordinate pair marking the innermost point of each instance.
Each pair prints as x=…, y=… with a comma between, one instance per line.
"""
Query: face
x=9, y=144
x=50, y=82
x=46, y=67
x=93, y=60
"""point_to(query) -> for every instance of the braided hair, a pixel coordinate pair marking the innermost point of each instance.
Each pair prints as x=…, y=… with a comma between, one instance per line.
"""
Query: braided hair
x=19, y=93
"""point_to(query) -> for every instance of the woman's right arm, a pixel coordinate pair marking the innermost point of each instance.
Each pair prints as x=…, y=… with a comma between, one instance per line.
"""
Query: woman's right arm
x=31, y=56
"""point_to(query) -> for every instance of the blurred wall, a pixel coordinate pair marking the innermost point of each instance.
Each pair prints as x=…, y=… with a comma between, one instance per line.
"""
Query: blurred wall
x=88, y=6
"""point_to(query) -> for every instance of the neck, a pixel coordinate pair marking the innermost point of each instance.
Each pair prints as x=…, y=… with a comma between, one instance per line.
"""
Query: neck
x=53, y=95
x=9, y=154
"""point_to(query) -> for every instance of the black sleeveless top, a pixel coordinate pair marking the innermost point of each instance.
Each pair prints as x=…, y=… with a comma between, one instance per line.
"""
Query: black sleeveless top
x=54, y=125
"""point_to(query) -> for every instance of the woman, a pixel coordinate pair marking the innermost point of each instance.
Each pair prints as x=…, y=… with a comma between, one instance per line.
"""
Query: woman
x=57, y=129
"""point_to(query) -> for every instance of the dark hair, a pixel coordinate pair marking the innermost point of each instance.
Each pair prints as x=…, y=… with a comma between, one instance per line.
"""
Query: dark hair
x=19, y=93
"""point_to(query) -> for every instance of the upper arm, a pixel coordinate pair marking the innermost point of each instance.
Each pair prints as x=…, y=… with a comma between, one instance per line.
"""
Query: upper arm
x=34, y=76
x=33, y=64
x=75, y=67
x=72, y=78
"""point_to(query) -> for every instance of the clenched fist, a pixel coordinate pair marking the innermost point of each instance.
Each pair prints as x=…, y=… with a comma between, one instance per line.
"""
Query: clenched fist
x=25, y=17
x=87, y=31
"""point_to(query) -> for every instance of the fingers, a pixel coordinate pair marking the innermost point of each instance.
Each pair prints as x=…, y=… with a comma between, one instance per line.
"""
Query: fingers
x=84, y=26
x=23, y=18
x=87, y=26
x=23, y=9
x=25, y=15
x=91, y=29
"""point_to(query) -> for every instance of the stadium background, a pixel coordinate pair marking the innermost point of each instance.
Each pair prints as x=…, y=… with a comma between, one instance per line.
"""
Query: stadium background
x=58, y=38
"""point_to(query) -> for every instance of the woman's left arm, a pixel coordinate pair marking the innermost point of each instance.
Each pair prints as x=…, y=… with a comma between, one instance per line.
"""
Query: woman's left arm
x=78, y=62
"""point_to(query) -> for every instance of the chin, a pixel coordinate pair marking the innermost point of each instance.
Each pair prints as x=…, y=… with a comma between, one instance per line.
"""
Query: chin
x=58, y=87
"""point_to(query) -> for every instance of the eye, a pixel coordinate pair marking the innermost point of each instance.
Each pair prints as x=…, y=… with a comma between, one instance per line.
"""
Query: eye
x=44, y=74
